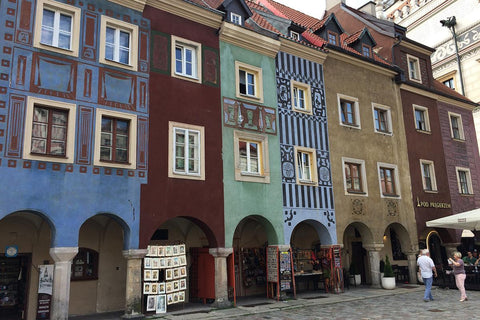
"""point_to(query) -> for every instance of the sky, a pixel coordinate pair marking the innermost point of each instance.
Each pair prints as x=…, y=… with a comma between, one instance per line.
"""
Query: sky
x=316, y=8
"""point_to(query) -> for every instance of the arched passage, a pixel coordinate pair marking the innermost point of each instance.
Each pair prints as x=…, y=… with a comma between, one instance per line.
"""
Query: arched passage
x=32, y=234
x=355, y=238
x=397, y=246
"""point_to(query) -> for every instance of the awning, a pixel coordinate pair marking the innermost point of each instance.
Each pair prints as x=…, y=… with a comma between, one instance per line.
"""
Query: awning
x=469, y=220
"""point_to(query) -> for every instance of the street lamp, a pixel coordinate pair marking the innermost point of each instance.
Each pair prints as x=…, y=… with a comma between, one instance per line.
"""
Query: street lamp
x=450, y=23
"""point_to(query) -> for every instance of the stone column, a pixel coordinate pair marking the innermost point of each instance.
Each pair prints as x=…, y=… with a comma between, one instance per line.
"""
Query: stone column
x=133, y=297
x=63, y=257
x=373, y=251
x=412, y=266
x=221, y=276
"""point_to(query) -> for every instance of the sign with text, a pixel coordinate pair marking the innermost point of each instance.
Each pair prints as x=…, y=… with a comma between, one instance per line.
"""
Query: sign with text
x=45, y=290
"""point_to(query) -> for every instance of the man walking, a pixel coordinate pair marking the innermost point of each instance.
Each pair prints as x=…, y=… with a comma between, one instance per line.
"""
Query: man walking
x=427, y=269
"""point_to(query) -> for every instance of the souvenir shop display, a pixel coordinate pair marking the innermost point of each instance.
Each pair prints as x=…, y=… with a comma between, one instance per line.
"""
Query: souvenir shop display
x=164, y=277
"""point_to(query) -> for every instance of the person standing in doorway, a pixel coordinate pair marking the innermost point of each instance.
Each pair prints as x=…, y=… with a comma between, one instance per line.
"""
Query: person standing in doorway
x=459, y=272
x=427, y=269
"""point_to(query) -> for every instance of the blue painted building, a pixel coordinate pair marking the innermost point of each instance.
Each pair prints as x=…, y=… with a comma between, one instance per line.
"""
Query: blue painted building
x=73, y=150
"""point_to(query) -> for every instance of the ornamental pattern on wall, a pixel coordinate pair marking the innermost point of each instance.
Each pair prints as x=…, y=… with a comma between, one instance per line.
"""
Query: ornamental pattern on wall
x=248, y=116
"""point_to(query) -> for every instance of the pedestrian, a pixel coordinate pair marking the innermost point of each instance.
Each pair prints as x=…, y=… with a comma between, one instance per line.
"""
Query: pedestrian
x=459, y=272
x=427, y=269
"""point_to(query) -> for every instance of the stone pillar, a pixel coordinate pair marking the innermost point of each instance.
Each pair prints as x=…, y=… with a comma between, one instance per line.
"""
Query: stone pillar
x=221, y=277
x=412, y=266
x=133, y=297
x=373, y=251
x=63, y=257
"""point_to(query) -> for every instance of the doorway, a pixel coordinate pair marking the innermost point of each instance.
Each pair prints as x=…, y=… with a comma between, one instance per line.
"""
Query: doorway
x=13, y=286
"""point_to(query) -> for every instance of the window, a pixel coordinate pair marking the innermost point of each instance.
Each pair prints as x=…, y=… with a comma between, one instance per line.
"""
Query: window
x=428, y=175
x=388, y=177
x=294, y=35
x=414, y=69
x=49, y=131
x=119, y=43
x=301, y=97
x=85, y=265
x=251, y=157
x=186, y=64
x=449, y=83
x=456, y=126
x=366, y=51
x=464, y=180
x=186, y=151
x=348, y=111
x=332, y=38
x=115, y=139
x=422, y=122
x=248, y=82
x=306, y=165
x=353, y=176
x=382, y=119
x=58, y=27
x=236, y=18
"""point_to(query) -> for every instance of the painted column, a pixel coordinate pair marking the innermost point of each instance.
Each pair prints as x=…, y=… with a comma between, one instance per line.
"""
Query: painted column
x=412, y=266
x=133, y=297
x=374, y=260
x=63, y=257
x=221, y=276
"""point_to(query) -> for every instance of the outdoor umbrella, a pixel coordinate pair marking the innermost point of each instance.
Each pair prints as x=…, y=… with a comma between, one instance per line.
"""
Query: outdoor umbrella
x=466, y=220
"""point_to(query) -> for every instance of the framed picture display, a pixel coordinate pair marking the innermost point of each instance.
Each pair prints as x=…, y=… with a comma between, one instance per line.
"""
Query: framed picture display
x=176, y=285
x=175, y=297
x=155, y=275
x=168, y=251
x=183, y=271
x=161, y=304
x=183, y=284
x=169, y=298
x=181, y=249
x=154, y=288
x=155, y=263
x=154, y=251
x=161, y=287
x=168, y=274
x=183, y=261
x=147, y=275
x=175, y=250
x=169, y=287
x=147, y=263
x=161, y=251
x=146, y=288
x=181, y=296
x=176, y=273
x=169, y=262
x=151, y=303
x=162, y=263
x=149, y=251
x=176, y=261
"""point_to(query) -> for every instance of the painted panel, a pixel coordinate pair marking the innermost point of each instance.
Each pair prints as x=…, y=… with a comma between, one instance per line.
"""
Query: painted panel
x=248, y=116
x=90, y=25
x=160, y=52
x=87, y=89
x=21, y=70
x=143, y=50
x=24, y=32
x=117, y=89
x=84, y=135
x=142, y=95
x=142, y=144
x=211, y=66
x=15, y=126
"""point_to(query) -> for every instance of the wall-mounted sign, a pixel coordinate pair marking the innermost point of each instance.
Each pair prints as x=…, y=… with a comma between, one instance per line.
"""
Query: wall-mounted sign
x=433, y=204
x=11, y=251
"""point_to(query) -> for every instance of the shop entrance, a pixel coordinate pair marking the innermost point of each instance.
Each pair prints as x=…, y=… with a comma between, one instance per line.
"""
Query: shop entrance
x=13, y=286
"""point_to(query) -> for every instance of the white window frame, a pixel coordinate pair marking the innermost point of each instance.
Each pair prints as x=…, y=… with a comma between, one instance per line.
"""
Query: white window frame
x=294, y=35
x=363, y=177
x=388, y=119
x=460, y=126
x=431, y=173
x=427, y=118
x=396, y=177
x=236, y=18
x=469, y=180
x=66, y=9
x=312, y=154
x=356, y=111
x=123, y=26
x=307, y=96
x=416, y=70
x=132, y=139
x=258, y=78
x=197, y=59
x=172, y=173
x=70, y=140
x=264, y=167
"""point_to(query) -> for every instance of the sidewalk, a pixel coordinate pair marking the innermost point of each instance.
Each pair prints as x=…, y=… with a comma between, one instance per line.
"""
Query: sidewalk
x=258, y=305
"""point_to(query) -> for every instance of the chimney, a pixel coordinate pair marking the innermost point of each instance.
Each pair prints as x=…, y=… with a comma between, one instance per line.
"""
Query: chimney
x=332, y=3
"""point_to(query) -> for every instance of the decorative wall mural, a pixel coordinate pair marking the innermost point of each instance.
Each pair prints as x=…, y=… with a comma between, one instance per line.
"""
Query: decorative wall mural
x=117, y=89
x=160, y=52
x=54, y=76
x=242, y=115
x=358, y=206
x=392, y=207
x=211, y=66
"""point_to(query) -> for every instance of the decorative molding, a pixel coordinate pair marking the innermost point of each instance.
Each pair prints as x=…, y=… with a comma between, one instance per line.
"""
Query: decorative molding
x=358, y=207
x=210, y=18
x=416, y=48
x=302, y=51
x=438, y=97
x=138, y=5
x=392, y=207
x=249, y=40
x=360, y=63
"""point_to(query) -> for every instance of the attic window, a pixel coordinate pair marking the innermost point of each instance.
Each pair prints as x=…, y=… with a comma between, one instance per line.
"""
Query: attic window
x=236, y=18
x=366, y=50
x=294, y=35
x=332, y=38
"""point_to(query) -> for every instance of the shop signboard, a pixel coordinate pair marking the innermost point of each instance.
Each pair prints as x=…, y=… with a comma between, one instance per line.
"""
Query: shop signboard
x=272, y=264
x=45, y=290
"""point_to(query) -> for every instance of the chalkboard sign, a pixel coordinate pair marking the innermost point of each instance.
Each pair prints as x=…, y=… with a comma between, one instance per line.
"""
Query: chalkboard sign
x=272, y=264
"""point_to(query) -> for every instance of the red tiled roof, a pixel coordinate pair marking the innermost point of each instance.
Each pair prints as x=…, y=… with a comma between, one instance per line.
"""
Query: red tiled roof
x=213, y=4
x=289, y=13
x=354, y=37
x=255, y=6
x=314, y=39
x=319, y=24
x=263, y=23
x=437, y=85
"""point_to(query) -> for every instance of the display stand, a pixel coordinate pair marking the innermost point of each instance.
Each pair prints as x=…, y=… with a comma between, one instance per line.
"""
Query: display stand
x=287, y=275
x=273, y=277
x=338, y=281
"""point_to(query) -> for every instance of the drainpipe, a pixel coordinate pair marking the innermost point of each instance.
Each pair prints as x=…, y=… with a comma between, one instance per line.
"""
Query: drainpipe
x=450, y=23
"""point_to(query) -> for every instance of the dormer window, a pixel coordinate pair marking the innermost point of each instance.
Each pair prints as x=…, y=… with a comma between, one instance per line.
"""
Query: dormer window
x=236, y=18
x=332, y=38
x=295, y=35
x=366, y=51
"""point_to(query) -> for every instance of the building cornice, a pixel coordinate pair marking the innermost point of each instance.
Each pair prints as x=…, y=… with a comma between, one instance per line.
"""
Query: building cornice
x=416, y=48
x=302, y=51
x=360, y=63
x=249, y=40
x=189, y=11
x=138, y=5
x=439, y=97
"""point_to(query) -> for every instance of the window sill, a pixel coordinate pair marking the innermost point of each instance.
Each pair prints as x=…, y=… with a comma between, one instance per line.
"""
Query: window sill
x=361, y=193
x=251, y=177
x=186, y=176
x=430, y=191
x=423, y=131
x=250, y=98
x=385, y=133
x=467, y=194
x=351, y=126
x=117, y=64
x=307, y=183
x=387, y=195
x=306, y=111
x=186, y=77
x=459, y=140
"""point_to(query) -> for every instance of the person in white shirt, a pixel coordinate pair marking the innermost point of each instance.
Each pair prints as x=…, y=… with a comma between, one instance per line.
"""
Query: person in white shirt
x=427, y=269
